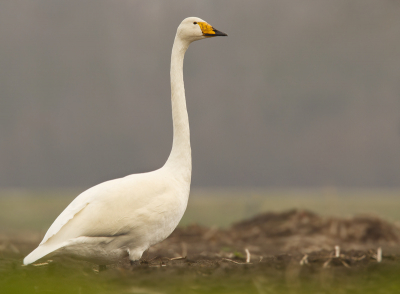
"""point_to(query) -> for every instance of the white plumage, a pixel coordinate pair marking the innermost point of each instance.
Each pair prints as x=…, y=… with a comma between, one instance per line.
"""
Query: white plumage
x=126, y=216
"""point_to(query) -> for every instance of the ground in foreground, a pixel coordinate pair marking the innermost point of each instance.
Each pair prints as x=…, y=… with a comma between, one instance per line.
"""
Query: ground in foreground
x=289, y=252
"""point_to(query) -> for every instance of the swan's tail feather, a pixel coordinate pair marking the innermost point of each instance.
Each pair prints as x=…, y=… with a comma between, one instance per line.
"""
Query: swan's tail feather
x=39, y=253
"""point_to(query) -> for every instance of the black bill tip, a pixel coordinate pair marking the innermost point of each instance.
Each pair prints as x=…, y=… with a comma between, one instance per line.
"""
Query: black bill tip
x=215, y=34
x=219, y=33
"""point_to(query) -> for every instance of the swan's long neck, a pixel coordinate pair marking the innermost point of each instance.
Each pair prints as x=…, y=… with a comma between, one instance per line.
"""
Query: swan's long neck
x=180, y=159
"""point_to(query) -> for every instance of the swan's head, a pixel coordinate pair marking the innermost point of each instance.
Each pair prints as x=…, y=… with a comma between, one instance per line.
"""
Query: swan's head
x=194, y=28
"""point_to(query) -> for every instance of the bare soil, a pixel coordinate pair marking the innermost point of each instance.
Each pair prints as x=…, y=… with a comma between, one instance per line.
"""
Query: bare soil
x=294, y=236
x=288, y=252
x=282, y=238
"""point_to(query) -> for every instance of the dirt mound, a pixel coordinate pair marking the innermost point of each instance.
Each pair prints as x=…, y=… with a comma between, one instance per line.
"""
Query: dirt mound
x=291, y=231
x=360, y=229
x=269, y=236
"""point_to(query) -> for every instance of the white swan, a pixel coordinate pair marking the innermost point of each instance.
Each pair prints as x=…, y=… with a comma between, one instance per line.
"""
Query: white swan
x=126, y=216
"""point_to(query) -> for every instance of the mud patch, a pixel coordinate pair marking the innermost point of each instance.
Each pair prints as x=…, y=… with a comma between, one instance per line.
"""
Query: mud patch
x=289, y=252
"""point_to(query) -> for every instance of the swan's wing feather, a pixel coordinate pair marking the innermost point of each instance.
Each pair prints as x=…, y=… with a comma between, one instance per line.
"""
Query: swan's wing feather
x=103, y=202
x=77, y=205
x=102, y=211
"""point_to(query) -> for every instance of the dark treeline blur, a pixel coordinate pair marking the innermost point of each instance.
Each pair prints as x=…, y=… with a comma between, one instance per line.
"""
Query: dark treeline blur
x=301, y=93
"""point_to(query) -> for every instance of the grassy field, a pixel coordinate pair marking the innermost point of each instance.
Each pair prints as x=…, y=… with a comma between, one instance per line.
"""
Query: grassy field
x=28, y=214
x=82, y=279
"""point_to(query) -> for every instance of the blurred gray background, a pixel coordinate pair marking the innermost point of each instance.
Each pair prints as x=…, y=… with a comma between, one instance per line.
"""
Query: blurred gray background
x=301, y=93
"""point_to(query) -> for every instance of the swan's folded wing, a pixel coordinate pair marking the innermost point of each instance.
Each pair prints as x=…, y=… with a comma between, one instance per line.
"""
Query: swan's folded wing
x=138, y=189
x=79, y=203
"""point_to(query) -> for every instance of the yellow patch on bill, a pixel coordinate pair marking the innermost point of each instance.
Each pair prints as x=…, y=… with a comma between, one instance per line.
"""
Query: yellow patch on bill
x=206, y=28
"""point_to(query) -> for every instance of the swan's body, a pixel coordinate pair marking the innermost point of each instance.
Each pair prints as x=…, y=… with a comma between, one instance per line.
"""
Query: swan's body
x=126, y=216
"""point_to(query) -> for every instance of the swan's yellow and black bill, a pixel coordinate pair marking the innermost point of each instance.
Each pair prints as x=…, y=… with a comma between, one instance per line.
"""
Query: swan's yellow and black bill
x=209, y=31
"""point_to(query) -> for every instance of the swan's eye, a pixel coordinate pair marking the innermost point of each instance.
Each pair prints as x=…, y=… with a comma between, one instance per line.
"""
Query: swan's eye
x=195, y=23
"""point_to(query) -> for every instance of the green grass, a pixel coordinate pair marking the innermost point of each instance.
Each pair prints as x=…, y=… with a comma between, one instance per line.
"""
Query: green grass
x=81, y=279
x=31, y=212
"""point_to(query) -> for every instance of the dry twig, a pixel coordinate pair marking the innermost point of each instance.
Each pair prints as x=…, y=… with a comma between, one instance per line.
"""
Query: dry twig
x=40, y=264
x=178, y=258
x=247, y=255
x=358, y=258
x=184, y=249
x=337, y=251
x=227, y=259
x=345, y=264
x=379, y=254
x=326, y=263
x=304, y=260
